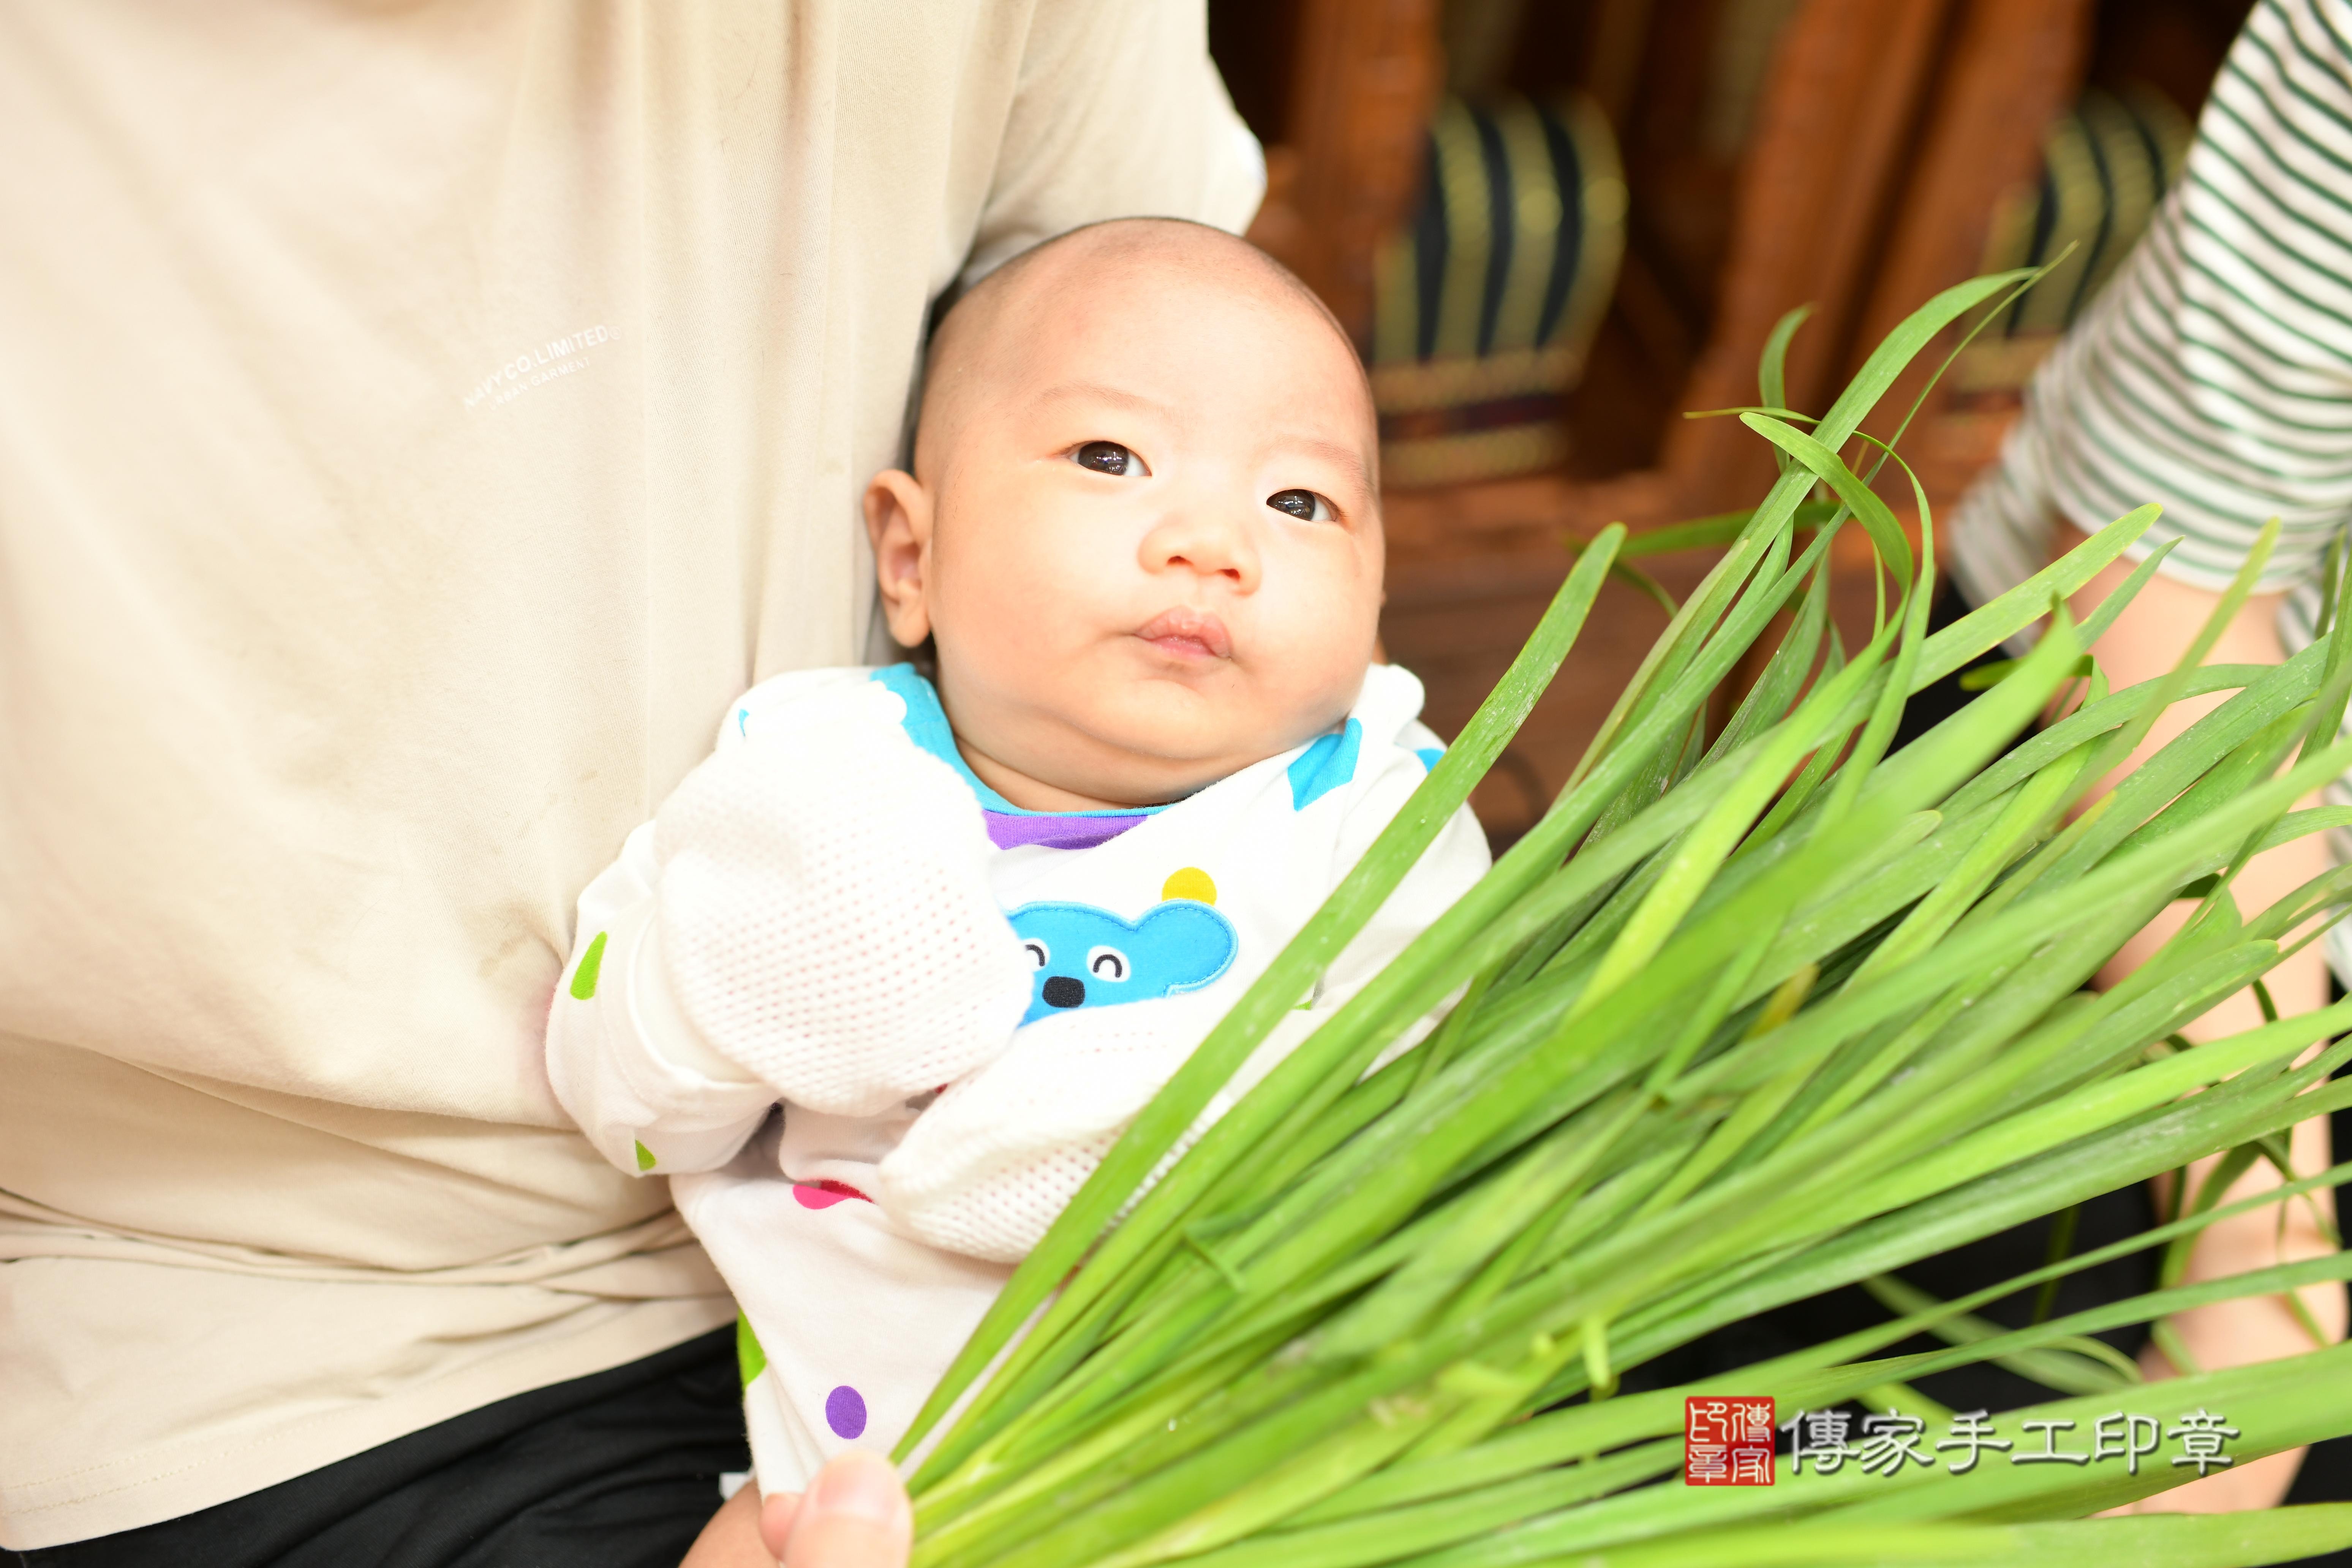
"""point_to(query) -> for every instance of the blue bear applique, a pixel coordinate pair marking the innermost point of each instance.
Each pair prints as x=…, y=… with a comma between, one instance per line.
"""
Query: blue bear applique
x=1089, y=957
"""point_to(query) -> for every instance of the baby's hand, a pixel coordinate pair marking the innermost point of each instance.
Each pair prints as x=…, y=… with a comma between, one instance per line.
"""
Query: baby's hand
x=991, y=1165
x=824, y=916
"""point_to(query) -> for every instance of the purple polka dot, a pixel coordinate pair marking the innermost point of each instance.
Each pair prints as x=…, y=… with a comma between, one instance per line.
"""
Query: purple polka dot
x=845, y=1412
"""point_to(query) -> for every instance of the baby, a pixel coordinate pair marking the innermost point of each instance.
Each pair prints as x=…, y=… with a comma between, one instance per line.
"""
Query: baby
x=963, y=928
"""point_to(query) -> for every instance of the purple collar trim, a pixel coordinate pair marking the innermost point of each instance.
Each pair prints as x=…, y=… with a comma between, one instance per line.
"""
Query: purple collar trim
x=1077, y=830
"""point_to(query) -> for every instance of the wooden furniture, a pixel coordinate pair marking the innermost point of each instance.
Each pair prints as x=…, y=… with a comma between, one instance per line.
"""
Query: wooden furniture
x=1886, y=135
x=2014, y=64
x=1364, y=78
x=1885, y=131
x=1855, y=162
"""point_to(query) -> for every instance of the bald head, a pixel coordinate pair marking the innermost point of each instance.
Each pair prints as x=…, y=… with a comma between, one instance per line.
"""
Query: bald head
x=1143, y=531
x=983, y=336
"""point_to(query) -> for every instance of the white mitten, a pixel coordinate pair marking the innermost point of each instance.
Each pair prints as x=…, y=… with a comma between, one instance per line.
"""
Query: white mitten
x=994, y=1161
x=825, y=918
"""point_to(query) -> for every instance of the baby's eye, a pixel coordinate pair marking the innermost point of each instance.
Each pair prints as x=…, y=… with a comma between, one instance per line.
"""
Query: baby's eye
x=1110, y=457
x=1107, y=964
x=1304, y=505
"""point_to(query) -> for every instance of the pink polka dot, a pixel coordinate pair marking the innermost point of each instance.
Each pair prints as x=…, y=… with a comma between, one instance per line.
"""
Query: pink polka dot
x=825, y=1194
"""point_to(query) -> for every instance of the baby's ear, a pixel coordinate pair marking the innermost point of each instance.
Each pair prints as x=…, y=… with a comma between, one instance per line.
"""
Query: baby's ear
x=898, y=516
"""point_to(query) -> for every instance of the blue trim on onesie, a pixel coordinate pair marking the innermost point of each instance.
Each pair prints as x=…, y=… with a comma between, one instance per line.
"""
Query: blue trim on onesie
x=1324, y=766
x=1328, y=764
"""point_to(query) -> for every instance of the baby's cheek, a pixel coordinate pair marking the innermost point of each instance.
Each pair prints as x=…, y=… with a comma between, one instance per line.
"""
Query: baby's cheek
x=1321, y=643
x=1328, y=586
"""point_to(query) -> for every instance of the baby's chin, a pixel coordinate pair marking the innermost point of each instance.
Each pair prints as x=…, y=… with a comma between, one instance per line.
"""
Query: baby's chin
x=1150, y=757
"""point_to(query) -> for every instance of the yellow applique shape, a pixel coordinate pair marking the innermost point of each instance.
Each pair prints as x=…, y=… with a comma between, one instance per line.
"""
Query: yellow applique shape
x=1192, y=883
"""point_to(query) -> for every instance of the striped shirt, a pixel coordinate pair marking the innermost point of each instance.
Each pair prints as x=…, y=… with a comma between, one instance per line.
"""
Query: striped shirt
x=2214, y=374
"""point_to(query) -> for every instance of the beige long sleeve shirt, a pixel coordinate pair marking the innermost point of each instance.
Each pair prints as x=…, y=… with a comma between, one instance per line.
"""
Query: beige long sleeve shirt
x=417, y=423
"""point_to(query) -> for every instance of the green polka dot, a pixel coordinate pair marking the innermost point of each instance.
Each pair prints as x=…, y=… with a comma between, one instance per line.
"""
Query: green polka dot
x=645, y=1157
x=583, y=979
x=749, y=1359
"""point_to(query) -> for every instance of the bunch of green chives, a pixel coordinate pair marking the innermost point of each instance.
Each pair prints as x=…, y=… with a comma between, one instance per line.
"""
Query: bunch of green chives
x=1748, y=1016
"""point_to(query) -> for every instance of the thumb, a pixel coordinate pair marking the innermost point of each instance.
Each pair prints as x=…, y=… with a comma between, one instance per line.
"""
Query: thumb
x=855, y=1515
x=776, y=1511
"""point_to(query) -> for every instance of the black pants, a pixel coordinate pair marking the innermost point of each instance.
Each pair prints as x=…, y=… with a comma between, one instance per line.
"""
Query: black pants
x=616, y=1470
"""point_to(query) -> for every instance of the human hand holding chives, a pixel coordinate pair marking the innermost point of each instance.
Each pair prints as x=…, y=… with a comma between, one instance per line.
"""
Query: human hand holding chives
x=854, y=1515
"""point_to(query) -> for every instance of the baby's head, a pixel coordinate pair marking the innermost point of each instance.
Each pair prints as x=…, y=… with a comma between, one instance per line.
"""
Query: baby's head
x=1143, y=528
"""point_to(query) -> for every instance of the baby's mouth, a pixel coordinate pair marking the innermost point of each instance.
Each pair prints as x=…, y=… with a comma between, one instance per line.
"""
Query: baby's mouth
x=1187, y=633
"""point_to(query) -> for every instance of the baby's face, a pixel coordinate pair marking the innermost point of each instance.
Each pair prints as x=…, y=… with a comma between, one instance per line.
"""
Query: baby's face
x=1152, y=549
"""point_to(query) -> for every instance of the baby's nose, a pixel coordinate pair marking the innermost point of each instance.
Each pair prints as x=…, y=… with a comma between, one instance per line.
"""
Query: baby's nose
x=1064, y=990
